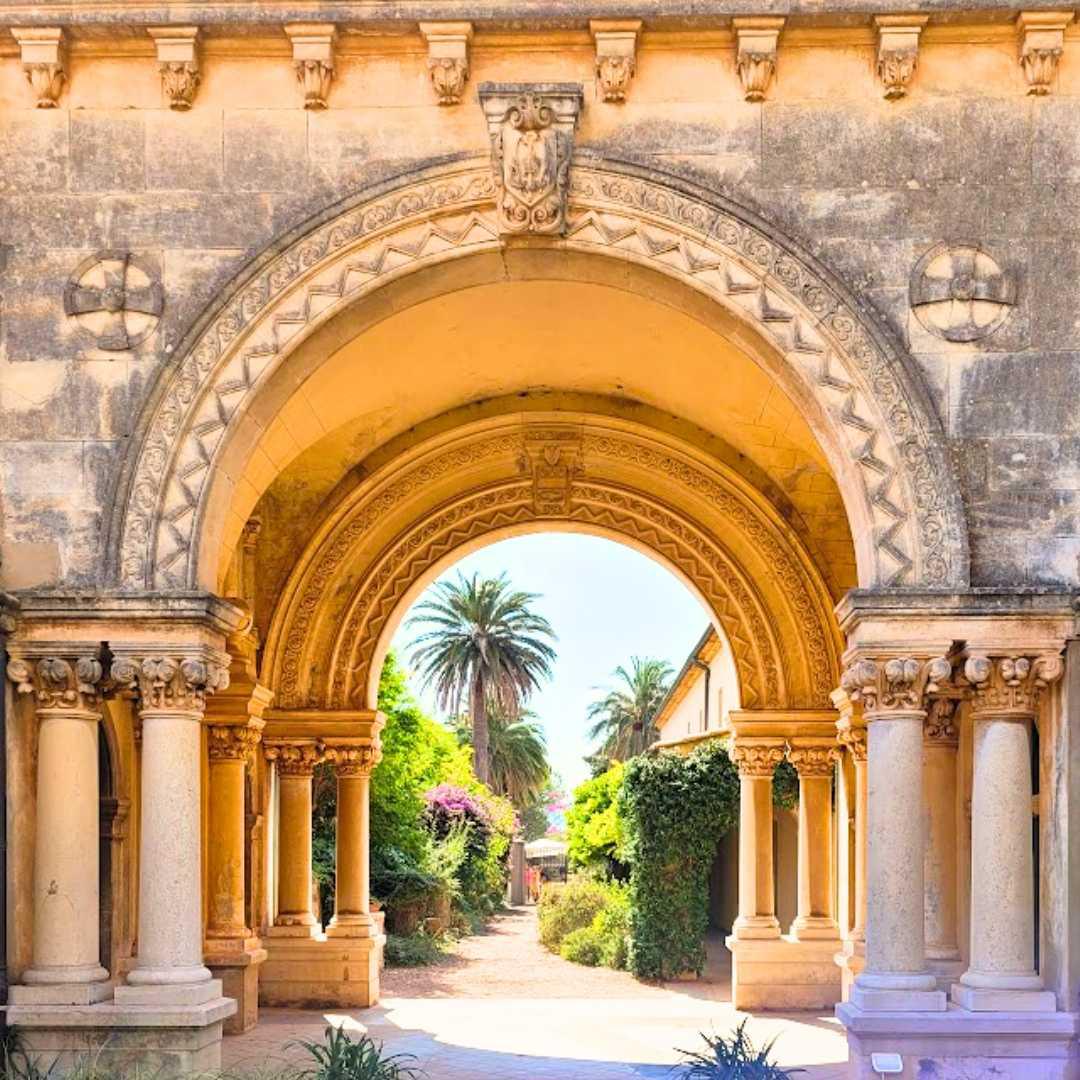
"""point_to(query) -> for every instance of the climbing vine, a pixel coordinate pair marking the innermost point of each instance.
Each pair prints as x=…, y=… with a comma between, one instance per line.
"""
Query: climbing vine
x=675, y=810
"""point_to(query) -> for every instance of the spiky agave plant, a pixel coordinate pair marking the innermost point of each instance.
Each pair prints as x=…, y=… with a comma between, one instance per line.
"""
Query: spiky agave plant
x=341, y=1057
x=733, y=1057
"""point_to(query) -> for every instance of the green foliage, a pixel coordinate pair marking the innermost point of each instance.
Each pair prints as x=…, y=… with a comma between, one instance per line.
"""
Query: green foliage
x=582, y=946
x=675, y=810
x=785, y=790
x=624, y=718
x=605, y=940
x=593, y=826
x=517, y=753
x=341, y=1057
x=414, y=950
x=733, y=1058
x=569, y=907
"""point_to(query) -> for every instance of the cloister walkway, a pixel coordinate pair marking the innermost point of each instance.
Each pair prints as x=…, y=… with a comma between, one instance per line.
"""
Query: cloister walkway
x=503, y=1008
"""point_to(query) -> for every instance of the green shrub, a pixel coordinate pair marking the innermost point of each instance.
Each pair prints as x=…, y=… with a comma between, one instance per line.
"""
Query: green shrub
x=612, y=928
x=593, y=828
x=569, y=907
x=341, y=1057
x=733, y=1058
x=414, y=950
x=583, y=946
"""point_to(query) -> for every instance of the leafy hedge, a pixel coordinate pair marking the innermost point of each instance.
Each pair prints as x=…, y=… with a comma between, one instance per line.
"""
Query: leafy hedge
x=593, y=828
x=675, y=810
x=586, y=921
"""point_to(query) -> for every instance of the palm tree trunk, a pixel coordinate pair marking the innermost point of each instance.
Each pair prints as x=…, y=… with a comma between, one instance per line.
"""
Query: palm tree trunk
x=478, y=717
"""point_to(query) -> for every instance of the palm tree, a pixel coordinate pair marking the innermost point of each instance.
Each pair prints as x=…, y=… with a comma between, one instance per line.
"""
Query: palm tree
x=517, y=754
x=624, y=718
x=485, y=645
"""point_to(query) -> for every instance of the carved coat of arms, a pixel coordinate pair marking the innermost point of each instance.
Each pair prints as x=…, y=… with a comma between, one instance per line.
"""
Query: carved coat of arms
x=531, y=127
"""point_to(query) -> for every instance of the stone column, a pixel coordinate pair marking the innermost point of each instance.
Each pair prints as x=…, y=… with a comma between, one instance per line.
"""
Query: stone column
x=815, y=763
x=295, y=763
x=940, y=742
x=892, y=690
x=756, y=762
x=1001, y=975
x=66, y=682
x=171, y=684
x=352, y=908
x=851, y=732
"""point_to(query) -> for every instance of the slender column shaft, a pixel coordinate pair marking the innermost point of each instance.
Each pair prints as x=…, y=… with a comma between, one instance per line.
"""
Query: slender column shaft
x=66, y=890
x=294, y=849
x=757, y=895
x=858, y=929
x=815, y=767
x=939, y=770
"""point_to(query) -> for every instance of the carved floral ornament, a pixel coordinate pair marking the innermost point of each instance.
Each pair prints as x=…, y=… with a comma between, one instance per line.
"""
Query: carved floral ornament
x=232, y=742
x=294, y=758
x=895, y=446
x=896, y=684
x=60, y=683
x=44, y=60
x=171, y=682
x=814, y=762
x=354, y=761
x=898, y=51
x=756, y=760
x=1010, y=687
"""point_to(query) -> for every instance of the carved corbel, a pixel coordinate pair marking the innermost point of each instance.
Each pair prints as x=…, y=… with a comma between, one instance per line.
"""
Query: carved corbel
x=44, y=61
x=448, y=58
x=178, y=62
x=898, y=51
x=755, y=57
x=1042, y=41
x=616, y=52
x=531, y=127
x=313, y=59
x=1009, y=687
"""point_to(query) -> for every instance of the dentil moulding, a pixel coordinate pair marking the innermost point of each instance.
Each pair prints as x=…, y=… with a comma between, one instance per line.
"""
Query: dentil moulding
x=616, y=49
x=448, y=58
x=898, y=51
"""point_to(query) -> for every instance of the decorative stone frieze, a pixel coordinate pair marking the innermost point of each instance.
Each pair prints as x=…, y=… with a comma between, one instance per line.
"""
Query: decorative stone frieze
x=69, y=680
x=531, y=127
x=894, y=684
x=757, y=760
x=755, y=57
x=294, y=758
x=898, y=51
x=178, y=63
x=1042, y=41
x=171, y=681
x=448, y=58
x=44, y=60
x=813, y=761
x=616, y=51
x=960, y=292
x=313, y=59
x=354, y=760
x=116, y=298
x=232, y=742
x=1009, y=687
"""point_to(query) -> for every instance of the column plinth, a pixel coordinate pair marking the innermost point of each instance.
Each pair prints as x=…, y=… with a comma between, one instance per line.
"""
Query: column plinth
x=65, y=967
x=892, y=690
x=1001, y=976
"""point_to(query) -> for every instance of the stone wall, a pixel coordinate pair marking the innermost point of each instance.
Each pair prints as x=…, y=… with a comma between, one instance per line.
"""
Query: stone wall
x=865, y=184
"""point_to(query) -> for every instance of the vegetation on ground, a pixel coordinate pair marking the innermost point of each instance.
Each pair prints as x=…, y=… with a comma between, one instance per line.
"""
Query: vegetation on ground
x=481, y=645
x=733, y=1057
x=624, y=719
x=419, y=949
x=341, y=1057
x=586, y=921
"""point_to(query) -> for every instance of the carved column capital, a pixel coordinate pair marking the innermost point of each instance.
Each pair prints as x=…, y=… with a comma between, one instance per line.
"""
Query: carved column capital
x=850, y=727
x=178, y=63
x=755, y=57
x=892, y=685
x=44, y=60
x=898, y=51
x=232, y=742
x=1042, y=41
x=63, y=677
x=757, y=760
x=171, y=680
x=354, y=760
x=616, y=51
x=313, y=59
x=448, y=58
x=1009, y=687
x=531, y=127
x=294, y=758
x=813, y=760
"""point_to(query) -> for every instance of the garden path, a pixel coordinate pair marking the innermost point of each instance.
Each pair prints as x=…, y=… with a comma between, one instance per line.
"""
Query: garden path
x=504, y=1008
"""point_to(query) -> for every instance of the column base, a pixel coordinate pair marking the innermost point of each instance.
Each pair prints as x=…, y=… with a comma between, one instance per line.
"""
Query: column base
x=815, y=928
x=982, y=999
x=914, y=991
x=321, y=973
x=851, y=959
x=955, y=1043
x=167, y=995
x=164, y=1042
x=351, y=926
x=239, y=974
x=755, y=928
x=61, y=993
x=783, y=974
x=945, y=970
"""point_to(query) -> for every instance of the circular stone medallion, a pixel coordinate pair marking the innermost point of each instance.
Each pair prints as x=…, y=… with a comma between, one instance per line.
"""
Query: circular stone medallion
x=960, y=293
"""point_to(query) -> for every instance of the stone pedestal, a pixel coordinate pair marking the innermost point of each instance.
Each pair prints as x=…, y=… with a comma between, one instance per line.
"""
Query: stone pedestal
x=783, y=974
x=322, y=972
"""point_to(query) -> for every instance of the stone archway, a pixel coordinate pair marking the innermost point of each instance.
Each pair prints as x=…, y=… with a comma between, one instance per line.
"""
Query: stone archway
x=425, y=506
x=870, y=412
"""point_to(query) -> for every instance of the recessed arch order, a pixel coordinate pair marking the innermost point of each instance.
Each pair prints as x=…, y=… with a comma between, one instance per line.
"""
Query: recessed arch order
x=861, y=396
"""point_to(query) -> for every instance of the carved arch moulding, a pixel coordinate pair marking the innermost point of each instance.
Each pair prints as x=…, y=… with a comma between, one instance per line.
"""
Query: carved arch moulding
x=876, y=425
x=403, y=523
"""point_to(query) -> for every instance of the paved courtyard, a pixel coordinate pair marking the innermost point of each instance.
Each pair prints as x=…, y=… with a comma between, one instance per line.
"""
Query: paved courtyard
x=503, y=1008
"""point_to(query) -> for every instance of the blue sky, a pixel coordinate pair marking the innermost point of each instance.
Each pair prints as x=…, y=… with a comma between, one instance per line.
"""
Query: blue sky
x=607, y=603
